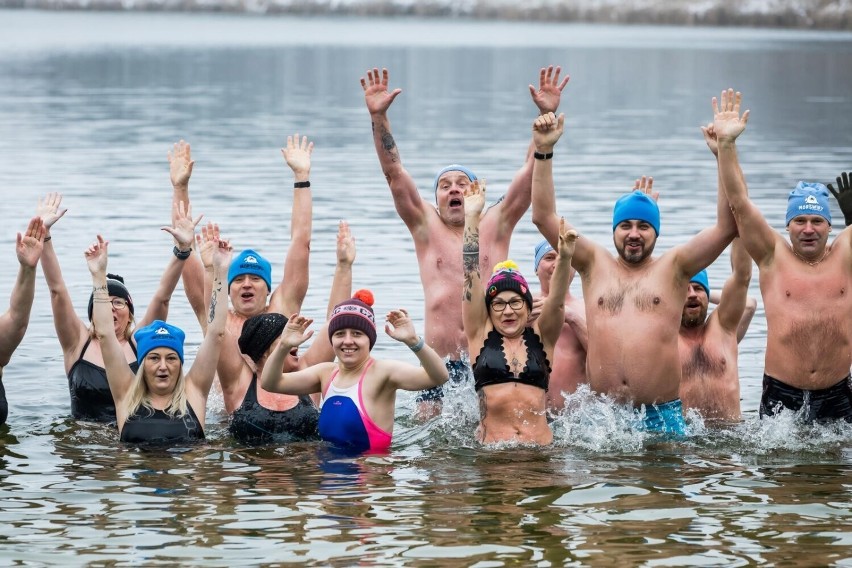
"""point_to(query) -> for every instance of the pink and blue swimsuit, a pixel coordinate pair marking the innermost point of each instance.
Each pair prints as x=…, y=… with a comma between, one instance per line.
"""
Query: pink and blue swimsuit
x=344, y=422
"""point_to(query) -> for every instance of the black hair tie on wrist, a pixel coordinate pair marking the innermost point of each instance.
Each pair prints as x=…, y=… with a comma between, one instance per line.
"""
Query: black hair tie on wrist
x=540, y=156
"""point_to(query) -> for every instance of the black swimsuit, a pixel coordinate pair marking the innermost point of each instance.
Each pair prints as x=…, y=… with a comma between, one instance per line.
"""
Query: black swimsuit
x=158, y=428
x=252, y=423
x=491, y=367
x=91, y=398
x=823, y=404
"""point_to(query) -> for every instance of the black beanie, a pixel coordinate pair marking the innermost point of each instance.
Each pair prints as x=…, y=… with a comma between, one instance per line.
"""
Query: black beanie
x=115, y=287
x=259, y=332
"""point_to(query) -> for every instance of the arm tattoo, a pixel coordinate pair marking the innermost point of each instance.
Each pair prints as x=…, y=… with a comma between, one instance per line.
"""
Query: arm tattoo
x=214, y=298
x=470, y=260
x=389, y=144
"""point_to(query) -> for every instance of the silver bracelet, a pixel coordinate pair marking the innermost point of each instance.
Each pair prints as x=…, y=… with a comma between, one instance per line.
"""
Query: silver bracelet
x=419, y=345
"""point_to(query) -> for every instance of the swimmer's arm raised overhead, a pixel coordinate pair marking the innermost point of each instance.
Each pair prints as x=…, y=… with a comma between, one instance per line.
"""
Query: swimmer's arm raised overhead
x=341, y=290
x=411, y=208
x=200, y=376
x=193, y=271
x=547, y=129
x=119, y=375
x=553, y=312
x=757, y=235
x=700, y=251
x=736, y=308
x=290, y=293
x=518, y=196
x=14, y=323
x=431, y=373
x=474, y=311
x=305, y=381
x=70, y=329
x=183, y=232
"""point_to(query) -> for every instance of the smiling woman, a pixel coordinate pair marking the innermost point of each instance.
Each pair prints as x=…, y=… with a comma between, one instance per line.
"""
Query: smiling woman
x=511, y=358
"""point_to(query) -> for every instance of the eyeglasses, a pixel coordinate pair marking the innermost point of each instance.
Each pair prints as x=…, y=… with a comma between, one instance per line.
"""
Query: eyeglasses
x=118, y=303
x=499, y=305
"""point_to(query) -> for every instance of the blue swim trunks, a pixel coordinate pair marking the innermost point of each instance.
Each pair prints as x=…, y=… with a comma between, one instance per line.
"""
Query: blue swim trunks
x=665, y=418
x=458, y=370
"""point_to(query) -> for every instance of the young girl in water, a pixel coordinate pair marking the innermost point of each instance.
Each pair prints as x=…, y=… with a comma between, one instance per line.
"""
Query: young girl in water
x=358, y=392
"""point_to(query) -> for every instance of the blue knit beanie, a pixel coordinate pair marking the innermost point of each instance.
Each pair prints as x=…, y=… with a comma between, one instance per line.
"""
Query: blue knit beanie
x=808, y=199
x=702, y=280
x=158, y=334
x=250, y=262
x=454, y=168
x=636, y=205
x=541, y=249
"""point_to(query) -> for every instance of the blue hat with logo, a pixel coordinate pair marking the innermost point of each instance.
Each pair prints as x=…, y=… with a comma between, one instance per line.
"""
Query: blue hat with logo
x=808, y=199
x=702, y=280
x=541, y=249
x=454, y=168
x=636, y=205
x=250, y=262
x=158, y=334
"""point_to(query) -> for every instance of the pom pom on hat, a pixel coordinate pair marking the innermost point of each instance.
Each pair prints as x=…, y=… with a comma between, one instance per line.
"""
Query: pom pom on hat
x=355, y=313
x=507, y=277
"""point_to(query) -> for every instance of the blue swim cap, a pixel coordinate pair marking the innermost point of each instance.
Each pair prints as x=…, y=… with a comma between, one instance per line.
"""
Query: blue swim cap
x=808, y=199
x=454, y=168
x=541, y=249
x=250, y=262
x=158, y=334
x=636, y=205
x=702, y=280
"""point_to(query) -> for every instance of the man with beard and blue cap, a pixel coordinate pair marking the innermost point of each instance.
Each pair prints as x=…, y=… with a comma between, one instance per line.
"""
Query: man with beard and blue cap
x=806, y=285
x=710, y=382
x=633, y=300
x=437, y=229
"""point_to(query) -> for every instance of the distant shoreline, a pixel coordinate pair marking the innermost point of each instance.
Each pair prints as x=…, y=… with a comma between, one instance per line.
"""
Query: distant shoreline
x=786, y=14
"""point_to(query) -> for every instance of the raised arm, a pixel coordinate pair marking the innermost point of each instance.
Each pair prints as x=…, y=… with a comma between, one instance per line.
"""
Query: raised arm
x=290, y=293
x=70, y=329
x=553, y=312
x=341, y=290
x=431, y=373
x=307, y=380
x=200, y=376
x=411, y=208
x=757, y=235
x=183, y=232
x=736, y=308
x=518, y=197
x=474, y=311
x=119, y=375
x=547, y=130
x=180, y=171
x=13, y=324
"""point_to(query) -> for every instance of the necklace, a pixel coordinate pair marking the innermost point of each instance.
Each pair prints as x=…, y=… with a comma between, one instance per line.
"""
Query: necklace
x=811, y=262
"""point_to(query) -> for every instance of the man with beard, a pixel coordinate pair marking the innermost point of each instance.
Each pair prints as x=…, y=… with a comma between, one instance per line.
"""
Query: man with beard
x=805, y=286
x=437, y=229
x=708, y=346
x=633, y=300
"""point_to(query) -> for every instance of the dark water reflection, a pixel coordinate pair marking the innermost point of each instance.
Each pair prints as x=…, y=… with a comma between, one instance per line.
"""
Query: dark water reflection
x=90, y=104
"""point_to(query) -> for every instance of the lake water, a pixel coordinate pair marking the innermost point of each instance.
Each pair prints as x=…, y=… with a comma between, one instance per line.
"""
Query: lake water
x=90, y=103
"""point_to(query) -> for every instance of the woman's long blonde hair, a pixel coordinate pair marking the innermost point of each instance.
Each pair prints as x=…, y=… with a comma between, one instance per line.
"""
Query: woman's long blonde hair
x=139, y=395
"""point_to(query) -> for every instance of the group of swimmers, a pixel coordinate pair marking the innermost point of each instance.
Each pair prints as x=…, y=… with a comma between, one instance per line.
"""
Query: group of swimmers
x=640, y=335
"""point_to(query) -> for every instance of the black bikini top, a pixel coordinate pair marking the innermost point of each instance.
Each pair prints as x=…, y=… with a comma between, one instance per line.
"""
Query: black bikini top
x=491, y=367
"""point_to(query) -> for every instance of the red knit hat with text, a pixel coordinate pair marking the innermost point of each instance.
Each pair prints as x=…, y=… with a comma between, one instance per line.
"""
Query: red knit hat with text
x=355, y=313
